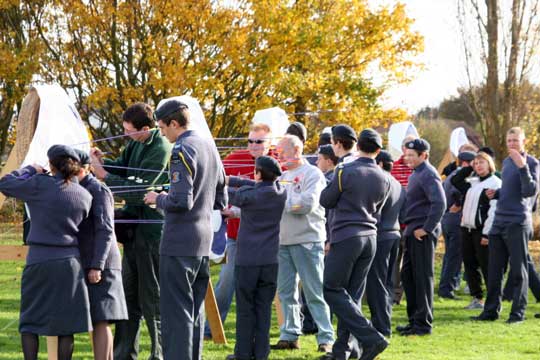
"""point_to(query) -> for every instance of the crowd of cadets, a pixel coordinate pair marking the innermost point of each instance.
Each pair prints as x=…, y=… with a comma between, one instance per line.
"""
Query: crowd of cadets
x=348, y=223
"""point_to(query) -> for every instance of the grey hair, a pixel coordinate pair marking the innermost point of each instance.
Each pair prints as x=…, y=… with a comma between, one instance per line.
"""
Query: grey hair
x=294, y=141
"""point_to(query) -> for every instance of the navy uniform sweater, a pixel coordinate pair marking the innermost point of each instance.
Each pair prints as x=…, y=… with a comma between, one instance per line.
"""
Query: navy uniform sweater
x=262, y=206
x=356, y=194
x=56, y=210
x=425, y=202
x=97, y=241
x=388, y=220
x=197, y=186
x=517, y=194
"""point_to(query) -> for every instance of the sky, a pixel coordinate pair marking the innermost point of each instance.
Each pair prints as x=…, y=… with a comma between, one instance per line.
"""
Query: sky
x=443, y=61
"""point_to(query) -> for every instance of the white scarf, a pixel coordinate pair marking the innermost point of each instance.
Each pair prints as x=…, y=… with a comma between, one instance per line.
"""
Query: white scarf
x=472, y=198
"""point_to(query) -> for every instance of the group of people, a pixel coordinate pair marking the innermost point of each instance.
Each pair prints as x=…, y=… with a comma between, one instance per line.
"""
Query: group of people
x=323, y=233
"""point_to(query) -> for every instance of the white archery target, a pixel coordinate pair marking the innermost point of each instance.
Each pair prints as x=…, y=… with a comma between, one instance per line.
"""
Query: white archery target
x=276, y=118
x=396, y=135
x=197, y=120
x=458, y=138
x=58, y=123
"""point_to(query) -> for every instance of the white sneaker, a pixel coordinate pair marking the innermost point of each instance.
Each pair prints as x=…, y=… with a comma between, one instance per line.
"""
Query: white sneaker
x=466, y=290
x=476, y=304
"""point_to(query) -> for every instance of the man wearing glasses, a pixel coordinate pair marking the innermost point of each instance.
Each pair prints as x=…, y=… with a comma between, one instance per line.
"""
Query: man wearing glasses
x=238, y=163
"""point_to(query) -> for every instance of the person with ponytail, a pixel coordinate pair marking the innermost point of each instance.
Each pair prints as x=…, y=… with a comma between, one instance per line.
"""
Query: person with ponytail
x=54, y=296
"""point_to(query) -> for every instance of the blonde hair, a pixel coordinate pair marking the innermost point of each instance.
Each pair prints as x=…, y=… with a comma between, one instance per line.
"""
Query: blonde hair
x=468, y=147
x=408, y=138
x=260, y=127
x=485, y=156
x=516, y=130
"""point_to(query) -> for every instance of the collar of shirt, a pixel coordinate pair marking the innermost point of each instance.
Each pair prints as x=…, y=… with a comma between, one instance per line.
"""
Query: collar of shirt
x=86, y=180
x=420, y=167
x=366, y=160
x=184, y=134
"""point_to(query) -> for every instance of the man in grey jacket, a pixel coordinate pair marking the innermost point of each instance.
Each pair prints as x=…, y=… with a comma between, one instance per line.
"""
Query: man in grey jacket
x=301, y=252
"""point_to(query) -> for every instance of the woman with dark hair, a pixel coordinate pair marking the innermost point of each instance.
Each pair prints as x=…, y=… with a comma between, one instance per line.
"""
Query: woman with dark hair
x=478, y=213
x=54, y=297
x=101, y=261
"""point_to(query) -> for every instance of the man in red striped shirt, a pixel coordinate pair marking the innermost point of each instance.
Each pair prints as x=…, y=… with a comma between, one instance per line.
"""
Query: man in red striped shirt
x=238, y=163
x=401, y=171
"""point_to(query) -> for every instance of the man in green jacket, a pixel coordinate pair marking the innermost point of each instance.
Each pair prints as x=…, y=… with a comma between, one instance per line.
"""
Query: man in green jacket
x=142, y=162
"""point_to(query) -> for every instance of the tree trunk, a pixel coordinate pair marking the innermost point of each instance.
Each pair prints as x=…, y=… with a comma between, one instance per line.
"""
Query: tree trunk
x=492, y=83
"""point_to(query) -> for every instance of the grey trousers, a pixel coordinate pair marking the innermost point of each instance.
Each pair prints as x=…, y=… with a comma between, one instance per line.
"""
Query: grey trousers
x=184, y=281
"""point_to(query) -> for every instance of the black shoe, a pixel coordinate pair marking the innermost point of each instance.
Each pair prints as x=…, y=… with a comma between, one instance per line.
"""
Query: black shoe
x=512, y=320
x=370, y=353
x=414, y=332
x=449, y=296
x=484, y=317
x=327, y=356
x=401, y=328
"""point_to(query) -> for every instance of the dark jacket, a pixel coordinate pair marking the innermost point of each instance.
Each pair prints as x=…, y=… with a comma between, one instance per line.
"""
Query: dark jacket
x=262, y=206
x=152, y=156
x=56, y=210
x=197, y=186
x=353, y=208
x=425, y=202
x=97, y=241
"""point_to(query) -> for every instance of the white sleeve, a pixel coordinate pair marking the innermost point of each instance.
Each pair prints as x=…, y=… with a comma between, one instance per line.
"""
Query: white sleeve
x=491, y=216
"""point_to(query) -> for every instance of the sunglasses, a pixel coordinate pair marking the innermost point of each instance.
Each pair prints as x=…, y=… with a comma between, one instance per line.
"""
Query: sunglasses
x=258, y=141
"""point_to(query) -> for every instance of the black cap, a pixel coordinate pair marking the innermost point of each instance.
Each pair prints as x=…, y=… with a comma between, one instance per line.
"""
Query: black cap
x=168, y=108
x=343, y=131
x=488, y=151
x=384, y=156
x=466, y=156
x=269, y=164
x=325, y=139
x=297, y=129
x=371, y=135
x=56, y=151
x=418, y=145
x=84, y=157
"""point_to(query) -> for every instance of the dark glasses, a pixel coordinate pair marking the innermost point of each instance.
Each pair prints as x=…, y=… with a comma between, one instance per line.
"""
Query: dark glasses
x=258, y=141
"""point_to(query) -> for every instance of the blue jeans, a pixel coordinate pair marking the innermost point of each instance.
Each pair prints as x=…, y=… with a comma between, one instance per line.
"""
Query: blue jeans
x=304, y=261
x=224, y=291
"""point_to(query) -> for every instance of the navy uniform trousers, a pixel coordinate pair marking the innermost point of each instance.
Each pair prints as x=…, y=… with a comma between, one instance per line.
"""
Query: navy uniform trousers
x=345, y=272
x=184, y=281
x=380, y=283
x=453, y=256
x=508, y=244
x=255, y=291
x=417, y=275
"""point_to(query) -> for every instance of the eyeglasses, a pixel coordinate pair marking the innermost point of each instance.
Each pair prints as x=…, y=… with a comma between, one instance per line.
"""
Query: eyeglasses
x=257, y=141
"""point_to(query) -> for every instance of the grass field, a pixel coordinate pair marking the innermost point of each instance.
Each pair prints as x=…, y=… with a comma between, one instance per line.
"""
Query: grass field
x=454, y=335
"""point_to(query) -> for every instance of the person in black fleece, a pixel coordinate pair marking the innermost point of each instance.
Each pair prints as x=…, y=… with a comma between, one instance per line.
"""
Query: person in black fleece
x=261, y=203
x=54, y=297
x=512, y=228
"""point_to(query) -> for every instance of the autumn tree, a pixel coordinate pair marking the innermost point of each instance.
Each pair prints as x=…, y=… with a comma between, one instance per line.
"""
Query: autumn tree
x=303, y=56
x=19, y=52
x=501, y=39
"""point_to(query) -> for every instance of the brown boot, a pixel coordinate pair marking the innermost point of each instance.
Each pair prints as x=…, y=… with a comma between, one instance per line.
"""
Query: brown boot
x=325, y=348
x=285, y=345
